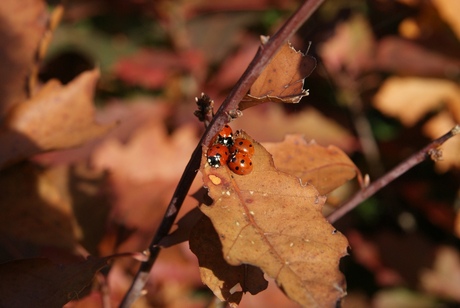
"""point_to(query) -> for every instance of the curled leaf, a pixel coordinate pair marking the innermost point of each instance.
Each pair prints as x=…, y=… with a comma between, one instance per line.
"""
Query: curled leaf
x=272, y=220
x=282, y=79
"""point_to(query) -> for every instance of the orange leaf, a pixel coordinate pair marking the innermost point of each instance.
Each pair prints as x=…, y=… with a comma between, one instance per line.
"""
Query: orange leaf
x=272, y=220
x=57, y=117
x=228, y=282
x=282, y=79
x=325, y=168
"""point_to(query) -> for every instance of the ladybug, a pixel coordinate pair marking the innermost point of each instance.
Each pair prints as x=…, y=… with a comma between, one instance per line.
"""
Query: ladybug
x=225, y=136
x=217, y=155
x=240, y=163
x=242, y=146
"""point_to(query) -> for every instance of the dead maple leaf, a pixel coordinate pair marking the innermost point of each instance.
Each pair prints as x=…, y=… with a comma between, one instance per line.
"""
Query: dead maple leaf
x=282, y=79
x=324, y=168
x=228, y=282
x=272, y=220
x=56, y=117
x=43, y=283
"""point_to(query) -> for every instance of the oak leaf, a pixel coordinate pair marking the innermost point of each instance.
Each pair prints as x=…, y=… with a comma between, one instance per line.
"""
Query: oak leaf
x=272, y=220
x=282, y=79
x=228, y=282
x=324, y=168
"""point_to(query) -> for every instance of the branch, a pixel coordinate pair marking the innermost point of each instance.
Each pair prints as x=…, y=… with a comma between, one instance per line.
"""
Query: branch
x=431, y=150
x=230, y=104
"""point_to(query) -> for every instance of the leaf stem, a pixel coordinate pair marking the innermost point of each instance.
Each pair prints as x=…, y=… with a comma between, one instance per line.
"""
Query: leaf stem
x=431, y=150
x=261, y=59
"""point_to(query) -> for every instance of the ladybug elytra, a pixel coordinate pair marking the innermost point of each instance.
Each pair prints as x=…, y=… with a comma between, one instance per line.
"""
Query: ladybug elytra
x=243, y=146
x=217, y=155
x=225, y=136
x=240, y=163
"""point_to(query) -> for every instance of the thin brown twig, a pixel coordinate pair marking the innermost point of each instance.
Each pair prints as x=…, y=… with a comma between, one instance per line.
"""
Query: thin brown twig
x=261, y=59
x=431, y=150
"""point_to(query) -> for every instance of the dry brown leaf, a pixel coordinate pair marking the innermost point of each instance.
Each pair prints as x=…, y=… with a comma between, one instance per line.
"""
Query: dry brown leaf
x=43, y=283
x=409, y=99
x=23, y=24
x=57, y=117
x=282, y=79
x=324, y=168
x=130, y=114
x=35, y=208
x=272, y=220
x=227, y=282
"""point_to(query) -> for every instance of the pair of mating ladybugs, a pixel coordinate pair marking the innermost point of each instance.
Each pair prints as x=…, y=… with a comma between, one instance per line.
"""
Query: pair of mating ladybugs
x=235, y=153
